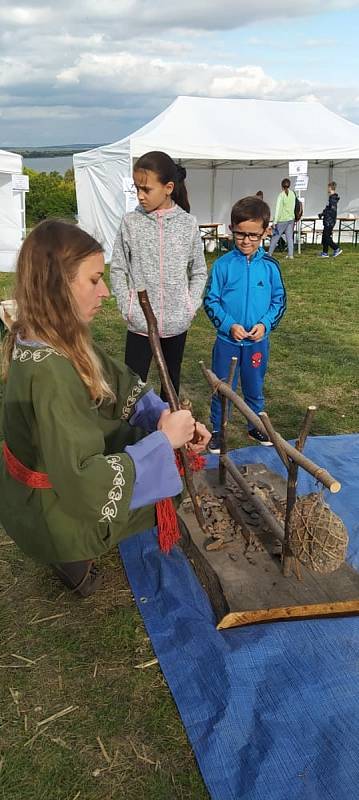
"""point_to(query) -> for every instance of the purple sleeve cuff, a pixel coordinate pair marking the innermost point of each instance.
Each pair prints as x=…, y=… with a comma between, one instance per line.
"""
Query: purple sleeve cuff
x=157, y=475
x=148, y=411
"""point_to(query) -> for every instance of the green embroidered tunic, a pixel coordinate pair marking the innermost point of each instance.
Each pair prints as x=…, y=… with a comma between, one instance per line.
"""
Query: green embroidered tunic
x=51, y=425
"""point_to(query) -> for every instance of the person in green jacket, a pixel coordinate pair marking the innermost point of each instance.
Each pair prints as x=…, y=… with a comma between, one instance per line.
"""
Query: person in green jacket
x=284, y=218
x=89, y=447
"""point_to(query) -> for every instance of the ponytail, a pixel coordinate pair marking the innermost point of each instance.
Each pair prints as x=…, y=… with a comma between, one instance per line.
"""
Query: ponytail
x=179, y=194
x=166, y=170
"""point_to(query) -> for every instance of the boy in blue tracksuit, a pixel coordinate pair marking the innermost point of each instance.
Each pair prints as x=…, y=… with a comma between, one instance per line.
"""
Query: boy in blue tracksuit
x=245, y=300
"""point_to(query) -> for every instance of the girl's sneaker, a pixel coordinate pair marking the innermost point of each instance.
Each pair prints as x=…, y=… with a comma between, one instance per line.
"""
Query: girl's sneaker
x=259, y=437
x=337, y=252
x=324, y=255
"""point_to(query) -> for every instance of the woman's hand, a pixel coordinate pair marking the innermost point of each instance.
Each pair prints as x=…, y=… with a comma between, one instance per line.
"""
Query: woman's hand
x=203, y=438
x=178, y=426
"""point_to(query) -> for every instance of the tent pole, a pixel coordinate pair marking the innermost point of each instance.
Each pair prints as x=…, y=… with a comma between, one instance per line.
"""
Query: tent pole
x=299, y=228
x=213, y=186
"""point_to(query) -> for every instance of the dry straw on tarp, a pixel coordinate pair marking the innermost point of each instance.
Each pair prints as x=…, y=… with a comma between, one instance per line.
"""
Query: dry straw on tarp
x=319, y=538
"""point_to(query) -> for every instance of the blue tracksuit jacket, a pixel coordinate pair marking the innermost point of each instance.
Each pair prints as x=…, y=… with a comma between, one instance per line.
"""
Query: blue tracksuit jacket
x=244, y=292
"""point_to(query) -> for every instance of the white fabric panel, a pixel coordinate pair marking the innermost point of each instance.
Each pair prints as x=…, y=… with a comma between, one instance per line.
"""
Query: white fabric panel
x=232, y=184
x=10, y=162
x=348, y=189
x=212, y=128
x=10, y=223
x=100, y=199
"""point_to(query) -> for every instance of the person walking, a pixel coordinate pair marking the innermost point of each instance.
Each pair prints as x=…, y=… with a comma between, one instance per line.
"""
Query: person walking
x=329, y=217
x=284, y=218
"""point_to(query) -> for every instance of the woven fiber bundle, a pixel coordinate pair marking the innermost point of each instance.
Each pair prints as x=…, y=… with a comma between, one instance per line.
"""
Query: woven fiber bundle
x=318, y=538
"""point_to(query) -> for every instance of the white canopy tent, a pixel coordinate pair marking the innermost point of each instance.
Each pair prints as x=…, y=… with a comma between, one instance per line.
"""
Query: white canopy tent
x=11, y=210
x=230, y=148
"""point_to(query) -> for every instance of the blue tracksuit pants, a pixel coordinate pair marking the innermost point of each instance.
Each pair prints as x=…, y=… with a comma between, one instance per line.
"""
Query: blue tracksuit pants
x=251, y=369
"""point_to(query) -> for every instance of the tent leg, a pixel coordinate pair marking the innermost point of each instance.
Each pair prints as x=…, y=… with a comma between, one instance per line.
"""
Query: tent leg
x=213, y=186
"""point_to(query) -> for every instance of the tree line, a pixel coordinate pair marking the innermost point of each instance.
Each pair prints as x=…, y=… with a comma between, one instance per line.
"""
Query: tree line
x=50, y=195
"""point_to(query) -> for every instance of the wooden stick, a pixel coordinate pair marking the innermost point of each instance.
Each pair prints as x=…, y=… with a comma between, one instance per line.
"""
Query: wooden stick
x=171, y=395
x=239, y=618
x=275, y=526
x=274, y=438
x=224, y=422
x=292, y=490
x=318, y=473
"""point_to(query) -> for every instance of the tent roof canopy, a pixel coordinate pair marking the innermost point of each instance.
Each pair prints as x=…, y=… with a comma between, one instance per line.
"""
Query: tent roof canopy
x=10, y=162
x=211, y=129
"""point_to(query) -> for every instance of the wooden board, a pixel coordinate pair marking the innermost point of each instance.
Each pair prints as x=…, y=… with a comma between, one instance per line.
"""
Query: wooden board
x=247, y=567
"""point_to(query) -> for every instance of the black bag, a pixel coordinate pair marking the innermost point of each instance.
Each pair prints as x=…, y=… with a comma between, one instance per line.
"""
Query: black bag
x=298, y=209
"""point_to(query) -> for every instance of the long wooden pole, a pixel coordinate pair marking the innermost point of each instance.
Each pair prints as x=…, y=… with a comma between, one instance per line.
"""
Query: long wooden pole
x=318, y=473
x=224, y=422
x=171, y=395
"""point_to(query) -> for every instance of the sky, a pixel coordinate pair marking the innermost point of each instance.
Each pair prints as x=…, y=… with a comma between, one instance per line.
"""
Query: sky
x=92, y=71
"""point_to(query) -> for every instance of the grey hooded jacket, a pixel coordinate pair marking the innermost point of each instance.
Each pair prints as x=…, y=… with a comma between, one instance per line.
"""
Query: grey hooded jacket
x=162, y=252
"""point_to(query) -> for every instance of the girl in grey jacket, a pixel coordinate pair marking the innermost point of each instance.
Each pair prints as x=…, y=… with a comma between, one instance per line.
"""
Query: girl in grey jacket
x=158, y=247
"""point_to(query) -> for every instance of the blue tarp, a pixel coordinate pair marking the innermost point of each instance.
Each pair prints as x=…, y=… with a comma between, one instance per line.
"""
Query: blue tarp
x=271, y=710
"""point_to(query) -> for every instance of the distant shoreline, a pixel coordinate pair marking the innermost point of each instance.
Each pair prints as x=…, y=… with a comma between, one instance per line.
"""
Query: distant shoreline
x=46, y=153
x=50, y=152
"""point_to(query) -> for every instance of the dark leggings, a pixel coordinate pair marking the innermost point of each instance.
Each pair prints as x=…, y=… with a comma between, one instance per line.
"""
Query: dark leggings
x=138, y=356
x=327, y=239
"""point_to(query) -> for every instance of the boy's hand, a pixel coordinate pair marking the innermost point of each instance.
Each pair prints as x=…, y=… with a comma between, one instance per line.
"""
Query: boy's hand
x=257, y=332
x=238, y=332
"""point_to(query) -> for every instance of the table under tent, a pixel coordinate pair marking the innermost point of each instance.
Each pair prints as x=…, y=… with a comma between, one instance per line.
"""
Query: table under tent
x=230, y=148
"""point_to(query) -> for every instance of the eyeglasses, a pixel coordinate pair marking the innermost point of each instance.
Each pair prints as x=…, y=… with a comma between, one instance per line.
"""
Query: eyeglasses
x=252, y=237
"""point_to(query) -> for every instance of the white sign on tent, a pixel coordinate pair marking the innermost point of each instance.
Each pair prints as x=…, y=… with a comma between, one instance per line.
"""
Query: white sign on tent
x=130, y=194
x=20, y=183
x=301, y=183
x=298, y=168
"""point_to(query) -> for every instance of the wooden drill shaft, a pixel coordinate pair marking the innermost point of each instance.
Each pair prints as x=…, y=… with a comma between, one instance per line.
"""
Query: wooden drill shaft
x=171, y=395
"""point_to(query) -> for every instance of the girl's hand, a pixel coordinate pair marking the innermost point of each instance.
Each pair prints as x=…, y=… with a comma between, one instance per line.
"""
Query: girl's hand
x=203, y=438
x=178, y=426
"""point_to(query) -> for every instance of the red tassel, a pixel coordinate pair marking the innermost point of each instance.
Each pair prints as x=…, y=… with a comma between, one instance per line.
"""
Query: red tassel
x=168, y=530
x=167, y=524
x=195, y=461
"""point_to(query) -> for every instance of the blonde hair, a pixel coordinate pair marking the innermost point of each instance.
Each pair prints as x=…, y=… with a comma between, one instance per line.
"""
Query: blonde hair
x=47, y=264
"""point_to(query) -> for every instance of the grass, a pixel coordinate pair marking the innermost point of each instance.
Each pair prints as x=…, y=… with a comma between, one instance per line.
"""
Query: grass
x=121, y=737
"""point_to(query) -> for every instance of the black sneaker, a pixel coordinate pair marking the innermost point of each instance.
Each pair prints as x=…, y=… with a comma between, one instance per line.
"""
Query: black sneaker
x=259, y=437
x=214, y=445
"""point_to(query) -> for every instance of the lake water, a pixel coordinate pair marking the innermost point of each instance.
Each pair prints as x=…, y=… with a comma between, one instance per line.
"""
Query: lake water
x=57, y=164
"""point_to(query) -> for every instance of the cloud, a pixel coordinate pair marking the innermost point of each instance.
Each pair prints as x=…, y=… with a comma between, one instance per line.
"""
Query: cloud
x=119, y=72
x=137, y=16
x=123, y=61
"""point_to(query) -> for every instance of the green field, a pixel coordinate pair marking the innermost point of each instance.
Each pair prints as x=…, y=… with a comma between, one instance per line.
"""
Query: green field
x=120, y=736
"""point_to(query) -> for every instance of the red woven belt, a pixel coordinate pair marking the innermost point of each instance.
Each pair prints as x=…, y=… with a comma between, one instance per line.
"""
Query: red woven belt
x=17, y=470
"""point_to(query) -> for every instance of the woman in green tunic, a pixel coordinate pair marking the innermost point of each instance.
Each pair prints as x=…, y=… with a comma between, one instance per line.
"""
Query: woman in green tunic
x=89, y=447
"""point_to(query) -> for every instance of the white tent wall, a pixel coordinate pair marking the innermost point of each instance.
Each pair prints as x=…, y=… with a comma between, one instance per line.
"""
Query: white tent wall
x=100, y=197
x=10, y=211
x=347, y=179
x=230, y=184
